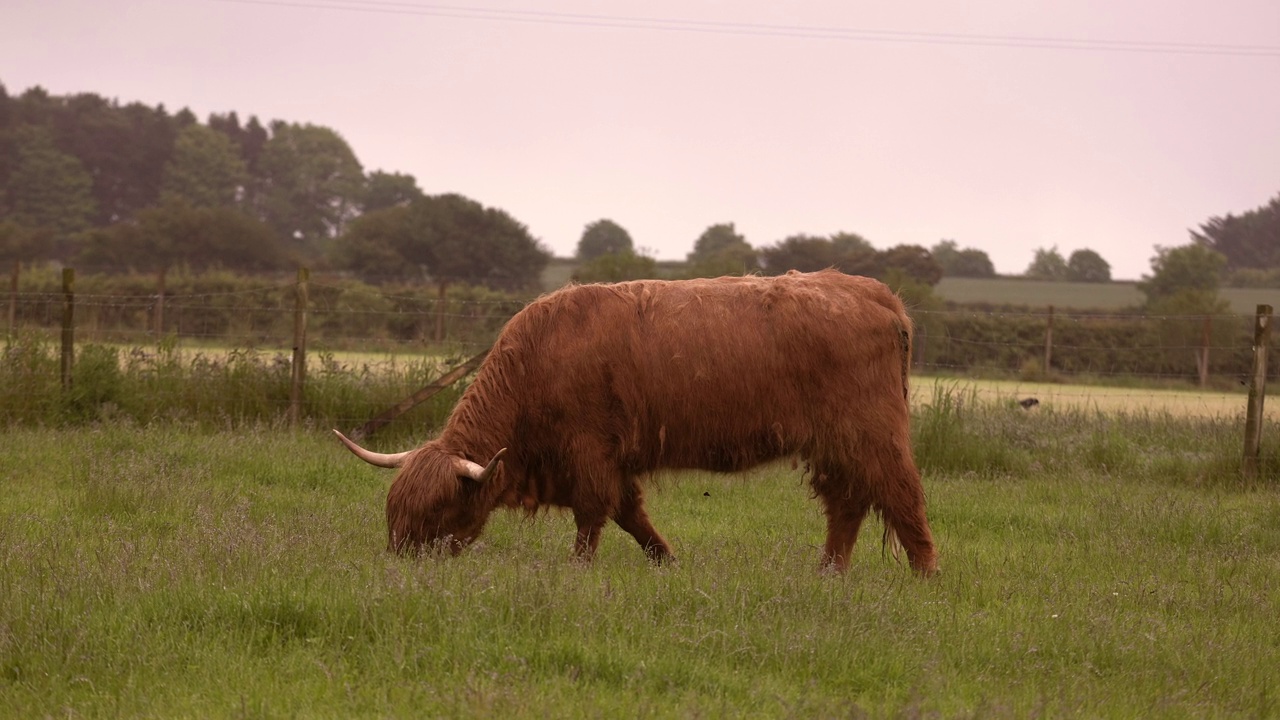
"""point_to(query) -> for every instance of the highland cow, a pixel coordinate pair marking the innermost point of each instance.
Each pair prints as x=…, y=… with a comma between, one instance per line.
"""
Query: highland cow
x=590, y=389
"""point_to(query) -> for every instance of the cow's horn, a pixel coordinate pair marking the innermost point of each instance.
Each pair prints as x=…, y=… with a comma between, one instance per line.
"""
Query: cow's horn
x=466, y=468
x=374, y=458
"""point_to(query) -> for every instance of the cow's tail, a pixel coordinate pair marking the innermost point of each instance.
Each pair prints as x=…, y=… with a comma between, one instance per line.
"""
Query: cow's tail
x=890, y=542
x=905, y=336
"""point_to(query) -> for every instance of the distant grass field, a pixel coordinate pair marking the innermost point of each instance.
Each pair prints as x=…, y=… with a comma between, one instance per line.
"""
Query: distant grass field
x=1094, y=398
x=1040, y=293
x=1079, y=296
x=1093, y=565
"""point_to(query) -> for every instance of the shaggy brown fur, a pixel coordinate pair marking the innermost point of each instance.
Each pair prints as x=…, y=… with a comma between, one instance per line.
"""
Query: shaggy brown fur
x=593, y=387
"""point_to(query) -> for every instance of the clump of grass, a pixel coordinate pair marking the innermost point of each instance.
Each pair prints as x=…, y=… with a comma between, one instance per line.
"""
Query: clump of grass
x=145, y=385
x=953, y=433
x=957, y=432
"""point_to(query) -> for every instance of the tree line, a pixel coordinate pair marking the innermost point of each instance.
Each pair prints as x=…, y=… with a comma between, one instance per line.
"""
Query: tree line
x=88, y=180
x=91, y=181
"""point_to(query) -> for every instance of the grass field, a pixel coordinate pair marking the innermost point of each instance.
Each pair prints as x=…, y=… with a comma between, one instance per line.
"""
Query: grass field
x=1079, y=296
x=1092, y=565
x=1181, y=403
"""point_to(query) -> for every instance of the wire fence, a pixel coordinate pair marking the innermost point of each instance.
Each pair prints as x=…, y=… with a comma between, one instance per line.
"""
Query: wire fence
x=367, y=347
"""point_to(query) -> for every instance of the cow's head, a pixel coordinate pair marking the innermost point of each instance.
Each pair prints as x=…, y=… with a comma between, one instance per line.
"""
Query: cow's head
x=438, y=500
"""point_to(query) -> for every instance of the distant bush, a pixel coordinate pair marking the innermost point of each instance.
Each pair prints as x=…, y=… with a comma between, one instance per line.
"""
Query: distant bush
x=1100, y=345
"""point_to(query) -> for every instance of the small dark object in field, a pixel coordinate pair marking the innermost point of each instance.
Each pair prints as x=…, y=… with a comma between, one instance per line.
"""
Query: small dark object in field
x=706, y=494
x=1028, y=403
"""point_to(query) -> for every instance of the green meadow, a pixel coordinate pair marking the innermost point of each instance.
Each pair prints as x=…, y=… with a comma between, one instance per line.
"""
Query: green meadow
x=1180, y=401
x=1095, y=564
x=1112, y=296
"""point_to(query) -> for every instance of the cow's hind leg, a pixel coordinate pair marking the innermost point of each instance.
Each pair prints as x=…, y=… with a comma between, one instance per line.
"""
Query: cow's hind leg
x=632, y=518
x=894, y=482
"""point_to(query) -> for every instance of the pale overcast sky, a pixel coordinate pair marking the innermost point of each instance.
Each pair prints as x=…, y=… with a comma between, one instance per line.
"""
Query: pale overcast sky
x=903, y=122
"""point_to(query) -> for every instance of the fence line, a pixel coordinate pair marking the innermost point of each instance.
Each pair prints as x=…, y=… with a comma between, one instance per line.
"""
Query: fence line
x=1032, y=344
x=352, y=327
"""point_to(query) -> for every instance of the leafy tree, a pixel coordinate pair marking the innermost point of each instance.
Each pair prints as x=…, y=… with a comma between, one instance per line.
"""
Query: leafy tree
x=6, y=107
x=974, y=263
x=1184, y=280
x=713, y=240
x=946, y=252
x=249, y=139
x=602, y=237
x=253, y=141
x=310, y=185
x=123, y=149
x=205, y=169
x=8, y=156
x=1248, y=241
x=384, y=190
x=969, y=262
x=914, y=261
x=179, y=233
x=1047, y=265
x=385, y=245
x=806, y=253
x=228, y=125
x=1085, y=265
x=847, y=243
x=720, y=250
x=24, y=243
x=484, y=246
x=445, y=239
x=855, y=255
x=916, y=294
x=47, y=188
x=35, y=106
x=616, y=267
x=89, y=128
x=848, y=252
x=736, y=259
x=149, y=146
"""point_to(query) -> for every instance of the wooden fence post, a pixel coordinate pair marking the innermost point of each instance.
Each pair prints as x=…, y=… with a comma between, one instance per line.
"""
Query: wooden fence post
x=1257, y=393
x=1202, y=357
x=159, y=318
x=299, y=346
x=1048, y=342
x=68, y=325
x=13, y=297
x=440, y=301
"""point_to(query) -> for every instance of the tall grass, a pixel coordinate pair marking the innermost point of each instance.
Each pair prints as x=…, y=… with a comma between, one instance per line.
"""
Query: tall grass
x=1099, y=567
x=144, y=385
x=957, y=432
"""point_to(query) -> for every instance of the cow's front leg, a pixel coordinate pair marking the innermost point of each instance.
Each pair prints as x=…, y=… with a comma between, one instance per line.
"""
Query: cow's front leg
x=588, y=539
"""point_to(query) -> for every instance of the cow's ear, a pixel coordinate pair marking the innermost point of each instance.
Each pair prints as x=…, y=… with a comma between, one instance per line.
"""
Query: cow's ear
x=465, y=468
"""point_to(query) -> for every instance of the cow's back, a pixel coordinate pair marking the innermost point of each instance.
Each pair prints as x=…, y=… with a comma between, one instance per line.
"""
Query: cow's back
x=719, y=374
